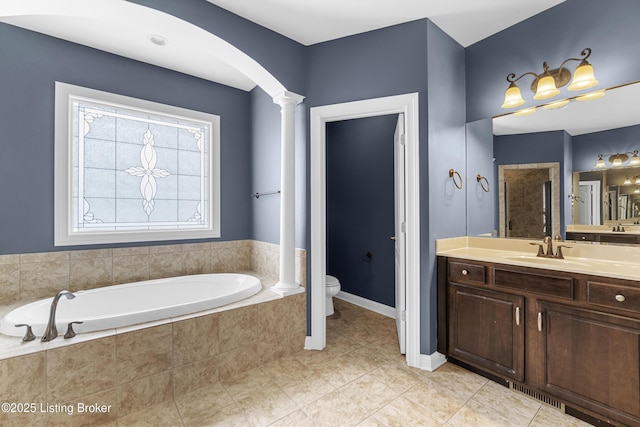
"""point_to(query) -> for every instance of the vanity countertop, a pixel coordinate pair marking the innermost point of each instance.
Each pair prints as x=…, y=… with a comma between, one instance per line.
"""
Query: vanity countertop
x=622, y=262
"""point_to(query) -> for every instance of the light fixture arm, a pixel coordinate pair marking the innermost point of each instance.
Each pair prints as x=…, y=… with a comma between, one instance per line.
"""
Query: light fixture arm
x=586, y=53
x=511, y=77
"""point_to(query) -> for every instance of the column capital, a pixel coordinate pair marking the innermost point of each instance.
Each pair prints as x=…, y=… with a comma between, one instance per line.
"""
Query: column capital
x=287, y=97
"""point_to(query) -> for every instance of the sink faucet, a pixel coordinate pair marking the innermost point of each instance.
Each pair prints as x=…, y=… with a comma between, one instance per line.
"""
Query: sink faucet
x=549, y=252
x=51, y=331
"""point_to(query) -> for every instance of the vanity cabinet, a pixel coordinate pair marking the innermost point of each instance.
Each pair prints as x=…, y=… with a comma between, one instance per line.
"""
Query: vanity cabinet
x=572, y=337
x=591, y=359
x=486, y=330
x=625, y=238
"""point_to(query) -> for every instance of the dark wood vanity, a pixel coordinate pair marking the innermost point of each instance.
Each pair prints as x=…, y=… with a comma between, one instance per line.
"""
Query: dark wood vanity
x=626, y=238
x=570, y=337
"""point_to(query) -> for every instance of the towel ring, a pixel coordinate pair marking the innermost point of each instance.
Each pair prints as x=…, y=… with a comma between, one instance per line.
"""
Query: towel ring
x=482, y=180
x=452, y=175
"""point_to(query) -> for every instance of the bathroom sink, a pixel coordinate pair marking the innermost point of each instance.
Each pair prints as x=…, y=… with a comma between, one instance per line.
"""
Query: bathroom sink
x=547, y=261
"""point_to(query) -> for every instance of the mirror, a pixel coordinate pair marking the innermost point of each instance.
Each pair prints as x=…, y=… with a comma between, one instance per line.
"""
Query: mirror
x=589, y=196
x=603, y=197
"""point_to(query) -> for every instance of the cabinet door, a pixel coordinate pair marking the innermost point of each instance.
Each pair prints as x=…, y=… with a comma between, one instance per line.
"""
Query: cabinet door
x=590, y=358
x=486, y=330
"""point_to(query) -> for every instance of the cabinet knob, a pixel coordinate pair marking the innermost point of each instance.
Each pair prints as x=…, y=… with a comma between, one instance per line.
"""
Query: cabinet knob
x=620, y=298
x=465, y=272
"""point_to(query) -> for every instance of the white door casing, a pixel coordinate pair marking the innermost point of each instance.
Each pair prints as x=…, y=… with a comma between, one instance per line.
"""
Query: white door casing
x=400, y=104
x=399, y=238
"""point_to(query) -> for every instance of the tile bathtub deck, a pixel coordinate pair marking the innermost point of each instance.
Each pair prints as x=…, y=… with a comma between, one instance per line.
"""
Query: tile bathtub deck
x=360, y=379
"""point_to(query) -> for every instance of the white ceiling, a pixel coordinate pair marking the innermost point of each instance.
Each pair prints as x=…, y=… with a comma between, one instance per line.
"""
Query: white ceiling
x=314, y=21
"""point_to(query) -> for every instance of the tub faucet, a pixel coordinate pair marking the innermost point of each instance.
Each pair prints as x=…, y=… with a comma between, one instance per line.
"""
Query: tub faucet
x=51, y=331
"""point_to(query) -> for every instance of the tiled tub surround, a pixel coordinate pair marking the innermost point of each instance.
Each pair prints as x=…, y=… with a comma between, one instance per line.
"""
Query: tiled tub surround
x=134, y=367
x=26, y=277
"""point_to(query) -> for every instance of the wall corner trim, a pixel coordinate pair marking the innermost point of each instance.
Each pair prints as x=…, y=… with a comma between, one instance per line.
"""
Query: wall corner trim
x=431, y=362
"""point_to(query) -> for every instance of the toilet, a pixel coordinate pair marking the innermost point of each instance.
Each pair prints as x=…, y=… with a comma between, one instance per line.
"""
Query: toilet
x=332, y=286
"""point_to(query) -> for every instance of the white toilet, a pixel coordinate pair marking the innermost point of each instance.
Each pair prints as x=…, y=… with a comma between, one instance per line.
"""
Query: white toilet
x=332, y=286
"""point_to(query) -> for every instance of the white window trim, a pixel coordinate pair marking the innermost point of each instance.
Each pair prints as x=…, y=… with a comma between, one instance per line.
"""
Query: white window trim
x=63, y=190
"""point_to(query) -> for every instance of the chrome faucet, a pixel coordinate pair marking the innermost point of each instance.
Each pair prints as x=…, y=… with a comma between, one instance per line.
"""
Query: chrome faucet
x=51, y=331
x=549, y=252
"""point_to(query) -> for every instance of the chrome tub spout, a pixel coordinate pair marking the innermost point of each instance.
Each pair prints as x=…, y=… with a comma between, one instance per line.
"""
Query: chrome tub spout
x=51, y=331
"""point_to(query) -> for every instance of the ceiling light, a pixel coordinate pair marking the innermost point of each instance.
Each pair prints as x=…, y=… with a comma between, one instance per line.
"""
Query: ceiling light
x=157, y=40
x=627, y=181
x=638, y=180
x=546, y=85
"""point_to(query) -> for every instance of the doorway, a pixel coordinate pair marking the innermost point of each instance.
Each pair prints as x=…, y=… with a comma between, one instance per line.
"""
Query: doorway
x=320, y=116
x=365, y=189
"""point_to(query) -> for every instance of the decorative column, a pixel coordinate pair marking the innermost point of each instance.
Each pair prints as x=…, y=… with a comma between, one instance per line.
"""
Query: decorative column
x=287, y=284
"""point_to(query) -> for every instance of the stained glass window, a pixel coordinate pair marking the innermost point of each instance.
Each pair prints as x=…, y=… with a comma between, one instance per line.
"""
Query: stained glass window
x=133, y=170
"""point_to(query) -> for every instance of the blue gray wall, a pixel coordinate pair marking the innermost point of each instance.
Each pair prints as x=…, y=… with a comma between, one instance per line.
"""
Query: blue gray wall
x=29, y=66
x=446, y=206
x=609, y=28
x=480, y=204
x=360, y=206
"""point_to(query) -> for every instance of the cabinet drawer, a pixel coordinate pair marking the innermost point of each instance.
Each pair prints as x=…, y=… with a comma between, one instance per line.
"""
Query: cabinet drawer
x=613, y=296
x=546, y=285
x=581, y=237
x=466, y=272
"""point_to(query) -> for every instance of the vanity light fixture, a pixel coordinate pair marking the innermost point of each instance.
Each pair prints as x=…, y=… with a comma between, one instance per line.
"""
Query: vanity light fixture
x=618, y=159
x=546, y=85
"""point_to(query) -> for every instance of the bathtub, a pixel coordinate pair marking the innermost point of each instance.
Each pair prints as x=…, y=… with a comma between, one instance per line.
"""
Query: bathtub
x=128, y=304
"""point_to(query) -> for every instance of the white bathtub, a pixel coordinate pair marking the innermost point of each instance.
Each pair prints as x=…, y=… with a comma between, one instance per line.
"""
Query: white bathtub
x=131, y=303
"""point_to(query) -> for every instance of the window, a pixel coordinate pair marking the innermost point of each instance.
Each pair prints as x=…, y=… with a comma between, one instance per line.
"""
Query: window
x=128, y=170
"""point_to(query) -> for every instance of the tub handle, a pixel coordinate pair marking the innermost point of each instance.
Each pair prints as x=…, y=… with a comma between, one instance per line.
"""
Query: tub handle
x=29, y=335
x=70, y=332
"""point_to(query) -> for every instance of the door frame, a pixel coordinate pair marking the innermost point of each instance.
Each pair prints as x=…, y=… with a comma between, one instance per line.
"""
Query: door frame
x=320, y=116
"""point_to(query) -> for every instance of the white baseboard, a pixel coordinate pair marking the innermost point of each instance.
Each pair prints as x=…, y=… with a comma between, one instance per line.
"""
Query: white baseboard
x=431, y=362
x=385, y=310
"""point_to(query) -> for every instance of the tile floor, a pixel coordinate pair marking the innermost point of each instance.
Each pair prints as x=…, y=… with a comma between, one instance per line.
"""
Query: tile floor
x=360, y=379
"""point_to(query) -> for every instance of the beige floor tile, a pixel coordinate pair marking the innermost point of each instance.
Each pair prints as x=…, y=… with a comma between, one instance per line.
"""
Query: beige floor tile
x=507, y=403
x=371, y=422
x=443, y=403
x=227, y=416
x=402, y=412
x=474, y=414
x=203, y=403
x=294, y=419
x=266, y=406
x=369, y=393
x=335, y=409
x=307, y=389
x=163, y=414
x=548, y=416
x=398, y=378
